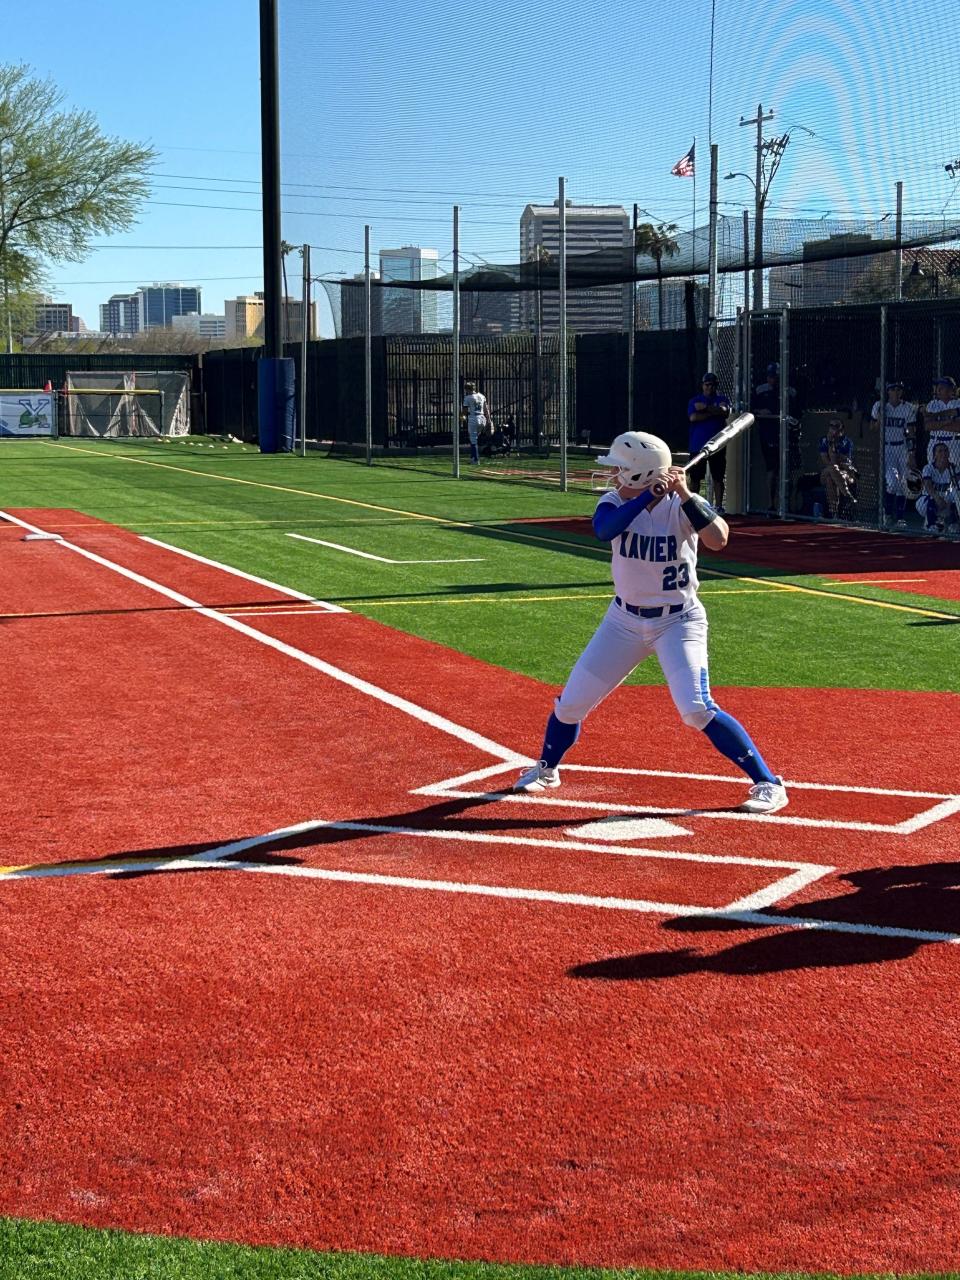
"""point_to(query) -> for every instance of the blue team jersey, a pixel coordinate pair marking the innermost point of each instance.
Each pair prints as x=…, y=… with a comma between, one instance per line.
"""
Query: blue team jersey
x=701, y=432
x=843, y=444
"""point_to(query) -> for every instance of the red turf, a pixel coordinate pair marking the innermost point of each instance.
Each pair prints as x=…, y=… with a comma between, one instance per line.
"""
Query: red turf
x=291, y=1061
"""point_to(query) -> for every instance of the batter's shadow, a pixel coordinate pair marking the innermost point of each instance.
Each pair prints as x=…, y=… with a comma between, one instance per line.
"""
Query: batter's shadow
x=923, y=898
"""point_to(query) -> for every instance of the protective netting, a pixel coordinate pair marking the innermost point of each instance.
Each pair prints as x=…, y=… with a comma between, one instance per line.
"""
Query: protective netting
x=126, y=404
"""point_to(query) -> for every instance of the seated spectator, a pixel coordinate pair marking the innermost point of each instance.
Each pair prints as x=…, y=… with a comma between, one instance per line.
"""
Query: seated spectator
x=938, y=502
x=839, y=475
x=942, y=420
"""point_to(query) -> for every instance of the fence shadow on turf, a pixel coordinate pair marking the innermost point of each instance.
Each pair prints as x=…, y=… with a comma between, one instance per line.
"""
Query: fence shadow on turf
x=925, y=897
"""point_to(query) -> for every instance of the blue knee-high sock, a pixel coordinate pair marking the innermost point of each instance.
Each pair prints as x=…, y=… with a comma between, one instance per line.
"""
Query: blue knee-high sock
x=900, y=509
x=558, y=740
x=730, y=738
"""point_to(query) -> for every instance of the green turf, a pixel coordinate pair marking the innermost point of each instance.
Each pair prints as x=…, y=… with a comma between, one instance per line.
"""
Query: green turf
x=51, y=1251
x=530, y=602
x=237, y=506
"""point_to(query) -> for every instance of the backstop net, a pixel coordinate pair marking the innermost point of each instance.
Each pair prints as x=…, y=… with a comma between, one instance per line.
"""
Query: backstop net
x=126, y=405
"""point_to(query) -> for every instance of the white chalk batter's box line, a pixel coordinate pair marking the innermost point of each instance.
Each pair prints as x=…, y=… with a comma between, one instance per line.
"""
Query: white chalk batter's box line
x=454, y=788
x=798, y=874
x=747, y=910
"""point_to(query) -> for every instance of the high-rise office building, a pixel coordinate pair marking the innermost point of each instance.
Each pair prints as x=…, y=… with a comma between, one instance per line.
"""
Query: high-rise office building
x=409, y=310
x=120, y=314
x=490, y=313
x=202, y=324
x=244, y=315
x=159, y=303
x=54, y=317
x=353, y=307
x=590, y=228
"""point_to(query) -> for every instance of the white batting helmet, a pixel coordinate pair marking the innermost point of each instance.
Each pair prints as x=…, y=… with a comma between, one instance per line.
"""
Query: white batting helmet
x=639, y=458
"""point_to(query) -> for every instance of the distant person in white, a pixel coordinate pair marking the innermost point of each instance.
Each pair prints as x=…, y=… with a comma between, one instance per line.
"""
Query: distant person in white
x=899, y=443
x=942, y=419
x=477, y=412
x=938, y=502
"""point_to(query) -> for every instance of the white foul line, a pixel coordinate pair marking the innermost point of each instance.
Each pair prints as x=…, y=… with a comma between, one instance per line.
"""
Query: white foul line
x=362, y=686
x=239, y=573
x=366, y=555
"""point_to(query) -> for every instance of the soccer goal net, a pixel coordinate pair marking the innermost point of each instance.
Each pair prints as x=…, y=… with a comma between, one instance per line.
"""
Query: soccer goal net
x=126, y=405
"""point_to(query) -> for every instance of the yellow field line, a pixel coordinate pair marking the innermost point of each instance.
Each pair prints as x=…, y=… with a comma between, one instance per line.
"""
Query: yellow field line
x=90, y=862
x=824, y=594
x=501, y=598
x=528, y=537
x=257, y=484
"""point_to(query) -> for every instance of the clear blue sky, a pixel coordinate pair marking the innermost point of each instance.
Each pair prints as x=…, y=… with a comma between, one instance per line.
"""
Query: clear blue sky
x=393, y=113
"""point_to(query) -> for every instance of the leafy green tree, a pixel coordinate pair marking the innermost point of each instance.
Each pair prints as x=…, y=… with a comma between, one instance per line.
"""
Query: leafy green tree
x=62, y=182
x=657, y=241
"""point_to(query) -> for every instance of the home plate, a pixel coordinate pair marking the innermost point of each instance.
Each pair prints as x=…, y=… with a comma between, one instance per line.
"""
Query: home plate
x=628, y=829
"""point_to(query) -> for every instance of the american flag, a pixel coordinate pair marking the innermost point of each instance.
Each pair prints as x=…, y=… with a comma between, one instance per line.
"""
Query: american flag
x=684, y=168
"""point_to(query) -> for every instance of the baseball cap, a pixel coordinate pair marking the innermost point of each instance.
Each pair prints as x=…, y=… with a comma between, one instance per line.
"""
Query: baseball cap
x=892, y=385
x=709, y=377
x=773, y=368
x=945, y=380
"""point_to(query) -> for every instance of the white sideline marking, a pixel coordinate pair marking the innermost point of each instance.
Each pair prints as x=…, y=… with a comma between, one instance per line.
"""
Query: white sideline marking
x=949, y=804
x=367, y=555
x=510, y=758
x=239, y=573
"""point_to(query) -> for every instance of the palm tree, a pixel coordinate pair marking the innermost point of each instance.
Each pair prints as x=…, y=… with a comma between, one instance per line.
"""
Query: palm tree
x=657, y=240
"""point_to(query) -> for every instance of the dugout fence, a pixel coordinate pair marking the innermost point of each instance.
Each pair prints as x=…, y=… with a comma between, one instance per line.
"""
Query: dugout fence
x=836, y=364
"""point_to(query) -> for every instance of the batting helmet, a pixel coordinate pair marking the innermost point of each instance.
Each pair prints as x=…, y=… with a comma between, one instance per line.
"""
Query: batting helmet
x=639, y=458
x=913, y=483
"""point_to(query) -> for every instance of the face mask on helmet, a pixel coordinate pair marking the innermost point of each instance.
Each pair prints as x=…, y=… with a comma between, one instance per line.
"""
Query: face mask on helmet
x=639, y=457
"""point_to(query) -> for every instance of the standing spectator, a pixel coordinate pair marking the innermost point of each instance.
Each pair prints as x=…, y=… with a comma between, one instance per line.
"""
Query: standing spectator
x=942, y=418
x=478, y=417
x=765, y=407
x=839, y=475
x=707, y=413
x=899, y=451
x=938, y=502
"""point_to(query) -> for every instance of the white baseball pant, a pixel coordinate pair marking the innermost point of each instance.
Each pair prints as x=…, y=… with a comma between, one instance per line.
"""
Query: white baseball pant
x=622, y=641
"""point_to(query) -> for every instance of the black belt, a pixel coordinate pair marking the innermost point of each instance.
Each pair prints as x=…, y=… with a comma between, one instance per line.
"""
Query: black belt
x=657, y=612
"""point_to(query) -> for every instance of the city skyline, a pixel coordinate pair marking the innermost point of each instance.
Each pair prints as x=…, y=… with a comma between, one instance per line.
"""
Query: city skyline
x=367, y=145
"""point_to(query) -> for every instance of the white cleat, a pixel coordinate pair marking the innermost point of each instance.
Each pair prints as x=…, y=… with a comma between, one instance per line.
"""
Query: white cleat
x=766, y=797
x=538, y=778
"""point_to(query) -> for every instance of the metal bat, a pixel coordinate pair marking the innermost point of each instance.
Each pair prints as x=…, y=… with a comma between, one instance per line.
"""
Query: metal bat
x=741, y=422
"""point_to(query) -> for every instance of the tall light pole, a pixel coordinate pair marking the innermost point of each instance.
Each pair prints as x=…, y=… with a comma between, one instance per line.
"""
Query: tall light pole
x=759, y=120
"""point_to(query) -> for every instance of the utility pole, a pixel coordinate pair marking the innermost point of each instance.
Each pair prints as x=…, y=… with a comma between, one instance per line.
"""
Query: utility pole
x=759, y=120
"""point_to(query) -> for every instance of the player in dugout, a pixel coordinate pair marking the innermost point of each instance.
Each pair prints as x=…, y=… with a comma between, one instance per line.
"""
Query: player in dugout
x=706, y=413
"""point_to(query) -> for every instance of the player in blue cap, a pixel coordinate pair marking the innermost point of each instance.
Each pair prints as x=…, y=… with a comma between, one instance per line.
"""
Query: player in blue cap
x=707, y=413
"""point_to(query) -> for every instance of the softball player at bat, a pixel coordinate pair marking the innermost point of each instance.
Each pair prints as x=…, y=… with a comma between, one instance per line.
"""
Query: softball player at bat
x=655, y=609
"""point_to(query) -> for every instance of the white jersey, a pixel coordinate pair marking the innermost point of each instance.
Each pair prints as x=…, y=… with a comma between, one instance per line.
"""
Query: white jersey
x=944, y=432
x=654, y=560
x=896, y=419
x=941, y=480
x=475, y=405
